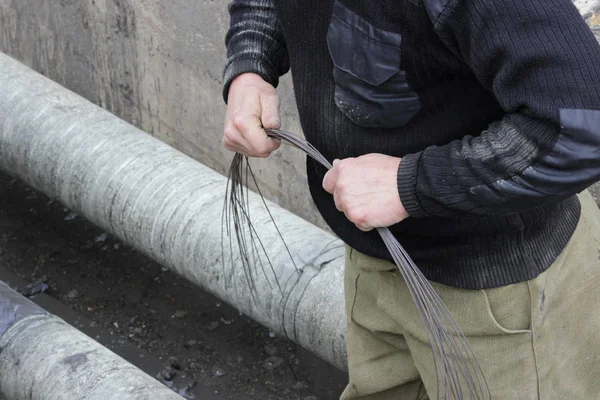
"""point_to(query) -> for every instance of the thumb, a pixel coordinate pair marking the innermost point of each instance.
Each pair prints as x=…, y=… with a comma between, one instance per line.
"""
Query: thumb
x=331, y=177
x=270, y=111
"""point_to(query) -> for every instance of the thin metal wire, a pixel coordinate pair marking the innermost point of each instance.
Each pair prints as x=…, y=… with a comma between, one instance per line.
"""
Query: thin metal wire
x=236, y=217
x=458, y=373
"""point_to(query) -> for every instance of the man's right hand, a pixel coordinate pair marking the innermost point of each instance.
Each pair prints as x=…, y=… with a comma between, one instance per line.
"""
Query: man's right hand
x=252, y=104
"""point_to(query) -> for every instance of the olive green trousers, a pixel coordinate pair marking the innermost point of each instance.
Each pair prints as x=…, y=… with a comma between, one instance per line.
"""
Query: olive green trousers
x=538, y=339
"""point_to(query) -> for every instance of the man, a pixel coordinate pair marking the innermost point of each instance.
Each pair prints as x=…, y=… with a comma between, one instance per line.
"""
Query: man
x=468, y=127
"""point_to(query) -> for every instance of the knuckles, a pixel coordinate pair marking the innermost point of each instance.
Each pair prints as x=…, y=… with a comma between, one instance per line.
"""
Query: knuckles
x=356, y=216
x=340, y=204
x=341, y=187
x=261, y=150
x=343, y=201
x=230, y=133
x=240, y=122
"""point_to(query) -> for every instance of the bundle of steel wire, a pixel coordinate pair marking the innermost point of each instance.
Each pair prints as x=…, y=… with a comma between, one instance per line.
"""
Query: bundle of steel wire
x=458, y=373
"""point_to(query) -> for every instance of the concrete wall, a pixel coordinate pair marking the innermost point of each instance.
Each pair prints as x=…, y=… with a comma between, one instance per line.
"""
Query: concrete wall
x=157, y=64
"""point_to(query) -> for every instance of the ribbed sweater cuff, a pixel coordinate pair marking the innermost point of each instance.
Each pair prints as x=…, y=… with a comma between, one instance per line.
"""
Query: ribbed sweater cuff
x=407, y=179
x=243, y=65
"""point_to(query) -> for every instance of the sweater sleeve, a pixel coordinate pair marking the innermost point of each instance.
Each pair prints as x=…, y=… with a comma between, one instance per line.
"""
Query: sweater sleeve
x=542, y=63
x=255, y=43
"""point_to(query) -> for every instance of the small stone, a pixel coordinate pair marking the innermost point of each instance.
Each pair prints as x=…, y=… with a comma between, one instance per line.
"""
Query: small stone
x=174, y=363
x=137, y=331
x=213, y=325
x=73, y=294
x=70, y=217
x=180, y=314
x=272, y=363
x=167, y=374
x=272, y=334
x=116, y=325
x=34, y=288
x=101, y=238
x=218, y=372
x=186, y=391
x=191, y=343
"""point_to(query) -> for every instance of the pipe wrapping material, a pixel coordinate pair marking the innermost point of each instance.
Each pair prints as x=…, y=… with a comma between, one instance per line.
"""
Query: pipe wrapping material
x=169, y=207
x=44, y=358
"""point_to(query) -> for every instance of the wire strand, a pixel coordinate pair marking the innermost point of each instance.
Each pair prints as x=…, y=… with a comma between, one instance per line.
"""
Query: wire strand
x=458, y=373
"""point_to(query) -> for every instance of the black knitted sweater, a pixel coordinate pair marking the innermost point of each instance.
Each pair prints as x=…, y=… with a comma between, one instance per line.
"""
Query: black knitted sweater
x=492, y=105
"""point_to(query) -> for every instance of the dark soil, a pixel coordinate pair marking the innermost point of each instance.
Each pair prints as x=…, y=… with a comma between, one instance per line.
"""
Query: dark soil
x=129, y=302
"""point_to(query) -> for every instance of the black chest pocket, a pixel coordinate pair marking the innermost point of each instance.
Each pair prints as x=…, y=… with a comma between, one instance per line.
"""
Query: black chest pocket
x=370, y=88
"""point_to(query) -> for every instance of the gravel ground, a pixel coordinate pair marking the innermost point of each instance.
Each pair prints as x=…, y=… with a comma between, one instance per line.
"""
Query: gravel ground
x=130, y=302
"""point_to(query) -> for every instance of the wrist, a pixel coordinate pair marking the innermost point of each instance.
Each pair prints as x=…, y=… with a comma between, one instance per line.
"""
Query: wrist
x=248, y=78
x=407, y=182
x=248, y=69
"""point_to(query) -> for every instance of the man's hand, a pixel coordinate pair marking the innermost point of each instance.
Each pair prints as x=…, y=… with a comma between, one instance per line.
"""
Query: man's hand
x=252, y=104
x=366, y=190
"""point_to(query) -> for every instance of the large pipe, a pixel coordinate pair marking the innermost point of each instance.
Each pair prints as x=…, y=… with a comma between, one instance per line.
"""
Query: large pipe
x=44, y=358
x=169, y=207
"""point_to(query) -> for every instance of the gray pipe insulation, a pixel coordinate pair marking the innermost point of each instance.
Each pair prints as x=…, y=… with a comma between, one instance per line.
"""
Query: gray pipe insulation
x=43, y=357
x=169, y=207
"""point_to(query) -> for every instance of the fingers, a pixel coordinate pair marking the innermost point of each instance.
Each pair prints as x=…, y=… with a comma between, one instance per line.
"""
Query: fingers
x=270, y=111
x=340, y=205
x=270, y=118
x=236, y=117
x=249, y=125
x=338, y=201
x=331, y=177
x=233, y=139
x=334, y=184
x=252, y=104
x=364, y=228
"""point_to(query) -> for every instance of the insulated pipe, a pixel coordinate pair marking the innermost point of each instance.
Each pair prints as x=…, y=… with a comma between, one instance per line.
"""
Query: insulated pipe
x=45, y=358
x=169, y=207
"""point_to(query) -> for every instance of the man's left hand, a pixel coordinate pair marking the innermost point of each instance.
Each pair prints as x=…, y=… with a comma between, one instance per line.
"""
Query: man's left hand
x=366, y=190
